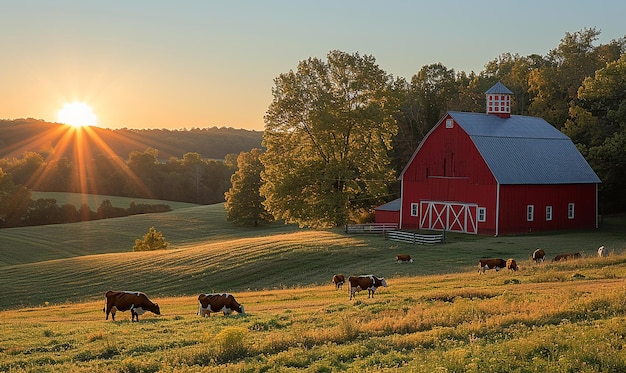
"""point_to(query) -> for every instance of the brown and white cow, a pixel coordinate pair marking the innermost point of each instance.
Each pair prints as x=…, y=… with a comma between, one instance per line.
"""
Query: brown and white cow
x=218, y=302
x=369, y=282
x=511, y=265
x=490, y=263
x=539, y=255
x=401, y=258
x=339, y=280
x=135, y=301
x=570, y=256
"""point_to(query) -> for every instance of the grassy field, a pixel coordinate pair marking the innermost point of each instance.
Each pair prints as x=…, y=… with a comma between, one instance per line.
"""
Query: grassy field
x=437, y=314
x=567, y=317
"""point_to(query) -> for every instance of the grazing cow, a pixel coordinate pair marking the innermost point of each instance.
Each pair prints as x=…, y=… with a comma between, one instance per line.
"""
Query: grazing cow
x=218, y=302
x=135, y=301
x=369, y=282
x=339, y=280
x=511, y=265
x=601, y=251
x=539, y=255
x=401, y=258
x=490, y=263
x=562, y=257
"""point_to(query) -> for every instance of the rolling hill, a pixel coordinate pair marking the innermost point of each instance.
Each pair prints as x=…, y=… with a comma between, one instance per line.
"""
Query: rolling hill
x=77, y=262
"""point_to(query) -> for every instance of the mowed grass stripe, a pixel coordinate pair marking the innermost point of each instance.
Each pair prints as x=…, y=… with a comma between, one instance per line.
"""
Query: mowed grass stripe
x=252, y=263
x=183, y=227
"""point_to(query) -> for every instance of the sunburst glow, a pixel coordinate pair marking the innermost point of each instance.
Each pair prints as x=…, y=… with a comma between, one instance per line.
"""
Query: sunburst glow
x=77, y=114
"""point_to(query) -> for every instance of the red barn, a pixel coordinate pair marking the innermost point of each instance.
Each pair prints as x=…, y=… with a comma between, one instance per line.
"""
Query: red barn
x=497, y=173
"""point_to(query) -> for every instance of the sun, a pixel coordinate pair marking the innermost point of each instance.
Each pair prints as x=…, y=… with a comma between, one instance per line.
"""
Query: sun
x=77, y=114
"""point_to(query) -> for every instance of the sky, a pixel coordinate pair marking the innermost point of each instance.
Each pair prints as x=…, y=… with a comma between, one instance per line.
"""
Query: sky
x=196, y=64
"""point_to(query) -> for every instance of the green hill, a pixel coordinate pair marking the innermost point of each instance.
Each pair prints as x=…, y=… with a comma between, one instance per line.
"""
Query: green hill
x=58, y=263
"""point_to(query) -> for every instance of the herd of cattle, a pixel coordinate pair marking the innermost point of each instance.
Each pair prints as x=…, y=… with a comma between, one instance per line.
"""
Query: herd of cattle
x=138, y=303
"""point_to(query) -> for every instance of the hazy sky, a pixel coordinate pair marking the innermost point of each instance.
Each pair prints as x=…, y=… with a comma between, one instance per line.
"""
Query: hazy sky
x=183, y=64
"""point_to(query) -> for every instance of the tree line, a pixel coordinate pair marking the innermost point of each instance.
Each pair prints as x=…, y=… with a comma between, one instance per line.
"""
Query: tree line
x=20, y=135
x=18, y=209
x=339, y=131
x=189, y=179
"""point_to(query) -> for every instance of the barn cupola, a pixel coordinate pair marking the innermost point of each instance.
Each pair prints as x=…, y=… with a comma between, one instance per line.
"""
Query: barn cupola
x=499, y=100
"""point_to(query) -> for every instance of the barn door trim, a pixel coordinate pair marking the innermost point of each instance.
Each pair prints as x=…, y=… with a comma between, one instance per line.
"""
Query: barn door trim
x=449, y=216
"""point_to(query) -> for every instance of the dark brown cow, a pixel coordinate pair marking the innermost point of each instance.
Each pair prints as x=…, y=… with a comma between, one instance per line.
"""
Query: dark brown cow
x=511, y=264
x=339, y=280
x=218, y=302
x=401, y=258
x=135, y=301
x=490, y=263
x=539, y=255
x=369, y=282
x=569, y=256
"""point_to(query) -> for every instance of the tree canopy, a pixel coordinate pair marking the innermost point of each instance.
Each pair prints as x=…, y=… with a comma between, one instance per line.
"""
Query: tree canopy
x=328, y=136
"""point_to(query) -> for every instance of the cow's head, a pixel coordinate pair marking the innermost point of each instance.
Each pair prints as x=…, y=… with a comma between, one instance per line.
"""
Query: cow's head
x=383, y=282
x=156, y=309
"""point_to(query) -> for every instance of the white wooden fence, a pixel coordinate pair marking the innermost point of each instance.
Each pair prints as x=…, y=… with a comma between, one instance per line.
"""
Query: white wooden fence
x=376, y=228
x=391, y=232
x=415, y=238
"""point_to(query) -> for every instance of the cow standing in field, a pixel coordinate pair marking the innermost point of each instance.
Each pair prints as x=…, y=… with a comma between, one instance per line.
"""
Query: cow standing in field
x=135, y=301
x=601, y=251
x=490, y=263
x=539, y=255
x=401, y=258
x=339, y=280
x=563, y=257
x=218, y=302
x=511, y=265
x=369, y=282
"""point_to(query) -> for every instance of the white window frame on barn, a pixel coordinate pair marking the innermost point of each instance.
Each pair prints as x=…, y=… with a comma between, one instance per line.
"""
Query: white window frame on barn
x=482, y=214
x=570, y=211
x=548, y=213
x=530, y=213
x=415, y=208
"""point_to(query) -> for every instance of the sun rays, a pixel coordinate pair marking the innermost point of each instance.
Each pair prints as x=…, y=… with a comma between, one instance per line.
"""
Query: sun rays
x=81, y=145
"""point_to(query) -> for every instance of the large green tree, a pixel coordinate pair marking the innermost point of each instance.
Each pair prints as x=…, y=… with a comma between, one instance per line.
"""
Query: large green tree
x=244, y=202
x=328, y=135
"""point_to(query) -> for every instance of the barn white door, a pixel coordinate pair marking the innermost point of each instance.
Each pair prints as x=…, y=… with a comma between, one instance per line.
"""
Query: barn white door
x=449, y=216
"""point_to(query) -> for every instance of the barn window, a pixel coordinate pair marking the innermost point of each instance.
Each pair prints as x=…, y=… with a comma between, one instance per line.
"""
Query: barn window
x=530, y=212
x=414, y=209
x=482, y=214
x=548, y=213
x=449, y=123
x=570, y=211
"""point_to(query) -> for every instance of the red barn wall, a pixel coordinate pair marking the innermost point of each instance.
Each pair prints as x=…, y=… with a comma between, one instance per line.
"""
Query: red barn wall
x=448, y=167
x=514, y=200
x=385, y=216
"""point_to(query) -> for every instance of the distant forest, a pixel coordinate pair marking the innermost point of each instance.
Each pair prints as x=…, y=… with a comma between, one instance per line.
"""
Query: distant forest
x=20, y=135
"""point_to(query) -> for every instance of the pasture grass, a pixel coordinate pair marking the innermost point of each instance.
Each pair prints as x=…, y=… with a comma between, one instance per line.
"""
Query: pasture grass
x=437, y=314
x=461, y=322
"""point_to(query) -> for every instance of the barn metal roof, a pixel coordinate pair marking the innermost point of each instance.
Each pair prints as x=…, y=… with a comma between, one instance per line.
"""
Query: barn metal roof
x=390, y=206
x=525, y=150
x=499, y=88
